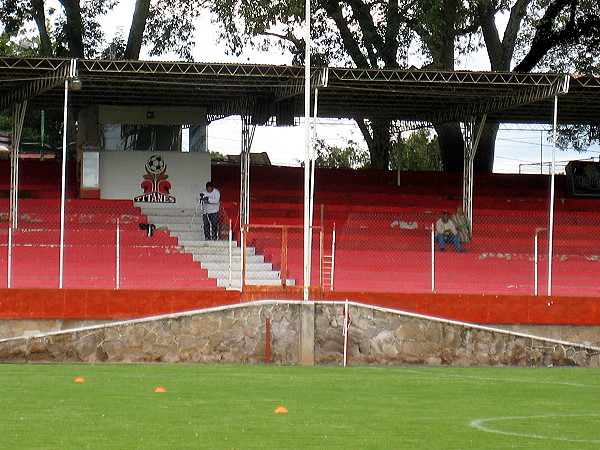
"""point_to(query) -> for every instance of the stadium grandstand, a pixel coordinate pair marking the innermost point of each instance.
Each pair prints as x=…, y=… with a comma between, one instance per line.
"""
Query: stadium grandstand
x=106, y=233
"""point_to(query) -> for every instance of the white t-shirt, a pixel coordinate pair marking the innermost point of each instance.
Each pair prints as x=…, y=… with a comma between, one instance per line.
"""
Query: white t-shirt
x=441, y=227
x=212, y=201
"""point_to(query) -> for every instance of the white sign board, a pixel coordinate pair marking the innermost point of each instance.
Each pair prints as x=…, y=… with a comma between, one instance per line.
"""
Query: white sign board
x=156, y=179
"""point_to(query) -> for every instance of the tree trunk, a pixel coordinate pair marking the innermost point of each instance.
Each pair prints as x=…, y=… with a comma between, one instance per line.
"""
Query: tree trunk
x=452, y=146
x=136, y=32
x=37, y=11
x=378, y=141
x=484, y=156
x=74, y=28
x=380, y=151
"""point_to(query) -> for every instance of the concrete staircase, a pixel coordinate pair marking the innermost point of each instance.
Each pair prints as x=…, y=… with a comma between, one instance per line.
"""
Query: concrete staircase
x=214, y=256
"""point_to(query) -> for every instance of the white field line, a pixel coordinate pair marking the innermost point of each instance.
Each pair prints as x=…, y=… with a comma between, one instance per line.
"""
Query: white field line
x=472, y=377
x=479, y=424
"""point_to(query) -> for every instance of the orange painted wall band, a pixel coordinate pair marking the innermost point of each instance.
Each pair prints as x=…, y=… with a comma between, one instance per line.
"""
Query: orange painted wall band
x=130, y=304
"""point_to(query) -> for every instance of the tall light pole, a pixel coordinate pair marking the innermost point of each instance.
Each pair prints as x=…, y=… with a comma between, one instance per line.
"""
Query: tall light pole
x=307, y=157
x=71, y=82
x=552, y=173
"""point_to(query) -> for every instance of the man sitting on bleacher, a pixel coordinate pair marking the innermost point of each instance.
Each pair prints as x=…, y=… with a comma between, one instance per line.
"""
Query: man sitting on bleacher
x=445, y=232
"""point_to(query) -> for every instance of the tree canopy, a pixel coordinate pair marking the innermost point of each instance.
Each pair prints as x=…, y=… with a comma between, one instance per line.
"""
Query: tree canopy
x=520, y=35
x=432, y=34
x=74, y=28
x=417, y=151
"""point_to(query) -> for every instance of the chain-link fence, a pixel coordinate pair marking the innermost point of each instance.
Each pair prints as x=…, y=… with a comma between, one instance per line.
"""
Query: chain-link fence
x=274, y=255
x=99, y=245
x=504, y=254
x=117, y=246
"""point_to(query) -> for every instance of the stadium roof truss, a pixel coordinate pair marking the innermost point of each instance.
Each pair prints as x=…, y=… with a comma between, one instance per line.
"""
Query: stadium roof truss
x=412, y=96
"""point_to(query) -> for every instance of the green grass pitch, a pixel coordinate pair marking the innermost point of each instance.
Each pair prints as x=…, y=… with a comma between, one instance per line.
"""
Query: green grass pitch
x=223, y=406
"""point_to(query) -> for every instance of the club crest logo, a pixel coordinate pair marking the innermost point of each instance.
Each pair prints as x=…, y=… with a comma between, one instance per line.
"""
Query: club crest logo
x=155, y=185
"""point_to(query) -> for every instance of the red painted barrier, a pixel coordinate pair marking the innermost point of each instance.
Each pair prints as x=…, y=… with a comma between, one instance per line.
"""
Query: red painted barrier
x=106, y=303
x=130, y=304
x=487, y=309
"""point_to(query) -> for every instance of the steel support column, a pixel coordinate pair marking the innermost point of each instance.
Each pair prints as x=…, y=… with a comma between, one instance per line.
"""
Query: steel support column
x=248, y=130
x=472, y=133
x=63, y=196
x=307, y=152
x=552, y=195
x=18, y=118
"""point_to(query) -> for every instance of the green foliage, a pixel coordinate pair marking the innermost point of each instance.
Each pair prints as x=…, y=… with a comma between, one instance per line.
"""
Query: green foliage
x=578, y=137
x=170, y=27
x=32, y=126
x=216, y=156
x=13, y=14
x=350, y=157
x=92, y=34
x=116, y=48
x=418, y=151
x=442, y=25
x=20, y=44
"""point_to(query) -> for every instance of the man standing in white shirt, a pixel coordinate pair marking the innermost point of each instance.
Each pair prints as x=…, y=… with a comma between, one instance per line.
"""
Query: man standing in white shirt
x=445, y=231
x=211, y=202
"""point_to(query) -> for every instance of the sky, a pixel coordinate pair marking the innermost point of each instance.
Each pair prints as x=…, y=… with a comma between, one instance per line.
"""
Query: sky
x=518, y=148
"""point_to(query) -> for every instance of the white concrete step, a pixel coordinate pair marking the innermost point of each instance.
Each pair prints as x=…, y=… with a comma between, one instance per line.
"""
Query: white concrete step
x=183, y=220
x=251, y=267
x=208, y=244
x=224, y=258
x=181, y=227
x=236, y=283
x=253, y=275
x=188, y=235
x=213, y=255
x=197, y=248
x=169, y=212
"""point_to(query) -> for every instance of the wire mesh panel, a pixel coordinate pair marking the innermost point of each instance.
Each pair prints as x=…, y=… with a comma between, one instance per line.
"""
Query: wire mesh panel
x=4, y=252
x=498, y=257
x=116, y=246
x=274, y=255
x=384, y=252
x=90, y=244
x=105, y=245
x=35, y=246
x=400, y=252
x=576, y=258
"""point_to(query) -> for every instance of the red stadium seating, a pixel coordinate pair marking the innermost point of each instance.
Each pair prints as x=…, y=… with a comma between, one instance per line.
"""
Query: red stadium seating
x=373, y=256
x=371, y=253
x=90, y=252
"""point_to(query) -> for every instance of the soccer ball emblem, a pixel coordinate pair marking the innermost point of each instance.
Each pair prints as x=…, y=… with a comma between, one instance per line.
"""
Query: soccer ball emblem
x=155, y=164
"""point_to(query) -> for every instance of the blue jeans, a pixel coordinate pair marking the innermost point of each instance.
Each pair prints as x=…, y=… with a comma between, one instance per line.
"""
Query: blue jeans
x=211, y=226
x=441, y=239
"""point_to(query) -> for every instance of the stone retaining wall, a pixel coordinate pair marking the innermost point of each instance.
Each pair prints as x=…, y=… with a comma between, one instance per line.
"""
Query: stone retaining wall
x=236, y=335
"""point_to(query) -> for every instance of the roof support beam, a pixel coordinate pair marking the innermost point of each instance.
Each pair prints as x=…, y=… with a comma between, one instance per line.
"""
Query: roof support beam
x=472, y=133
x=319, y=79
x=527, y=95
x=55, y=77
